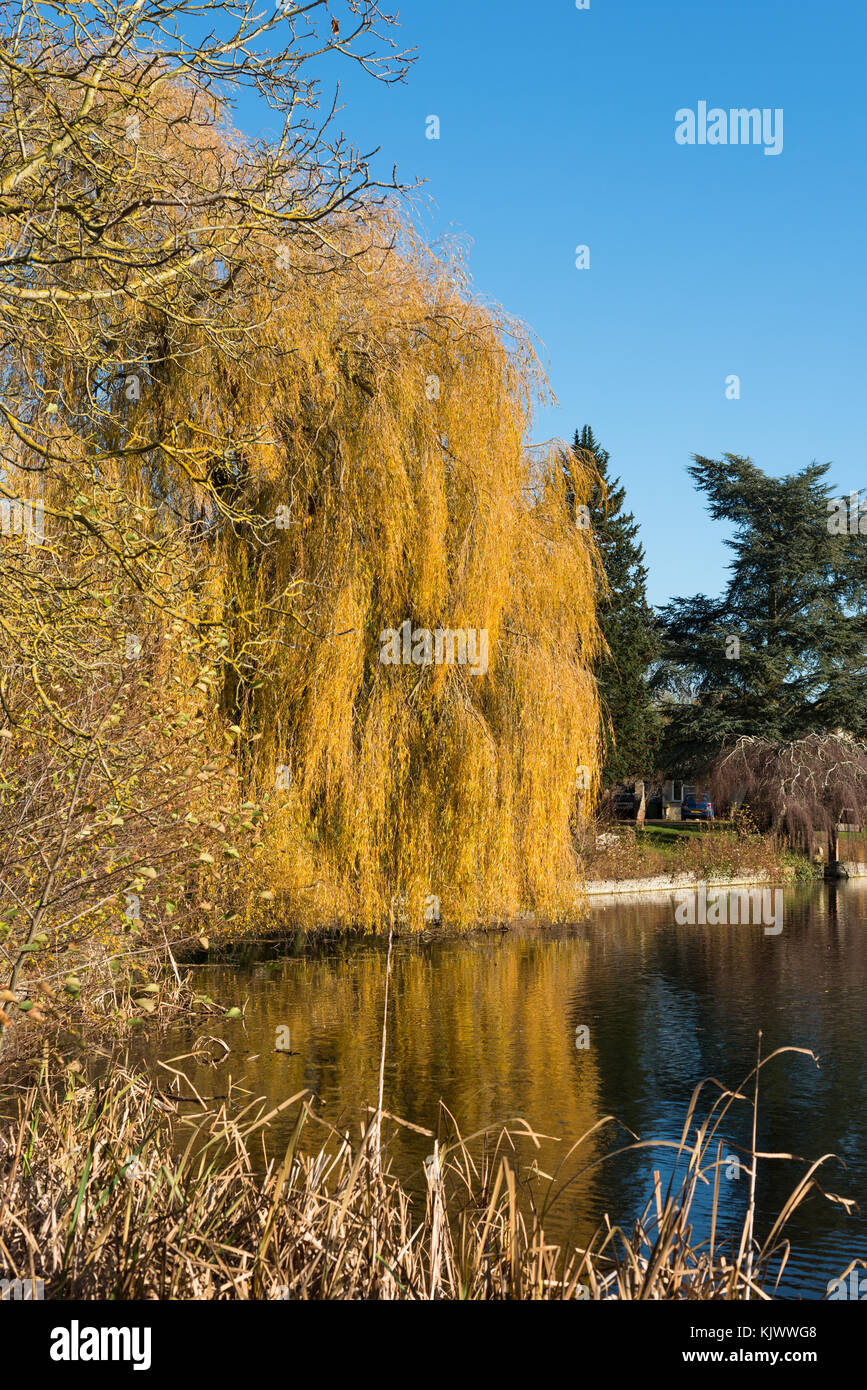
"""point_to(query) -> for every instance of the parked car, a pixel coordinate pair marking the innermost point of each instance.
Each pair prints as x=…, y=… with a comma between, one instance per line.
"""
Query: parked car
x=622, y=805
x=696, y=808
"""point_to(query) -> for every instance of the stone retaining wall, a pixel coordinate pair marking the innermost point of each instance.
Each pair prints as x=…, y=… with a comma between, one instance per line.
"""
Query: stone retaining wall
x=670, y=883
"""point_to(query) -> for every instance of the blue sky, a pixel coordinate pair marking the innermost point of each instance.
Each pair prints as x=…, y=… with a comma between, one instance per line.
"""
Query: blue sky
x=557, y=129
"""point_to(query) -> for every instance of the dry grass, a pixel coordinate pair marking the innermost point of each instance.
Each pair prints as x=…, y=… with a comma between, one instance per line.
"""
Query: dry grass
x=706, y=852
x=132, y=1187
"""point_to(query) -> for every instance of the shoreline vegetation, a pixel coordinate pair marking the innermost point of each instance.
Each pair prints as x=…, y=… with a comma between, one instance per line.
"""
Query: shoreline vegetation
x=620, y=855
x=135, y=1186
x=121, y=1180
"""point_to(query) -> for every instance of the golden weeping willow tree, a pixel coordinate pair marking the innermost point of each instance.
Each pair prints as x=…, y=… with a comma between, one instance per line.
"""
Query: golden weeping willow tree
x=390, y=462
x=315, y=405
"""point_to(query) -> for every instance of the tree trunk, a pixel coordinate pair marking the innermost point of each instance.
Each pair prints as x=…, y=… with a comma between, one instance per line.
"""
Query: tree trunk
x=642, y=806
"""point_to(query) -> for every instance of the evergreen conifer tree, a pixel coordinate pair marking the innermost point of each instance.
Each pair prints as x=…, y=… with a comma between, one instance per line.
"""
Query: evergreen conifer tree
x=627, y=621
x=783, y=652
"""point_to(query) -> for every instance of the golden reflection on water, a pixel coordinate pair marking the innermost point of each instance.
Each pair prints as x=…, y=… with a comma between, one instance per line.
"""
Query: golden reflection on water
x=484, y=1023
x=487, y=1024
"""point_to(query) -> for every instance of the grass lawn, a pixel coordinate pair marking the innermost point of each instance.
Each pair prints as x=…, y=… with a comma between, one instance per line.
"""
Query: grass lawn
x=667, y=835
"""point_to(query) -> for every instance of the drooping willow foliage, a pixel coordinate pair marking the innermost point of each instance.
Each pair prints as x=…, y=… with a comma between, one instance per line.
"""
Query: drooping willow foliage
x=390, y=484
x=326, y=434
x=798, y=788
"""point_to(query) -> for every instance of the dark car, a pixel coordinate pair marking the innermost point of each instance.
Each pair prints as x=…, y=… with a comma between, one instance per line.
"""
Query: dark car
x=696, y=808
x=622, y=805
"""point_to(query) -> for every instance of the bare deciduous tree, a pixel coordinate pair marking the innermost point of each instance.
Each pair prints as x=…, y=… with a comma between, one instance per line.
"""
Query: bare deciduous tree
x=132, y=215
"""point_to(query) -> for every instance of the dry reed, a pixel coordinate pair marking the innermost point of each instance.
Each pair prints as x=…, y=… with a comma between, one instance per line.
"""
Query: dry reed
x=135, y=1187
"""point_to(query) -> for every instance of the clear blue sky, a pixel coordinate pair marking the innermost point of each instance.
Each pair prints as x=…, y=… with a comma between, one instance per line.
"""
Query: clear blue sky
x=557, y=129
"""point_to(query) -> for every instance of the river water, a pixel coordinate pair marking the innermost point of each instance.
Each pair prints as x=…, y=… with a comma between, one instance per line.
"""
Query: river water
x=486, y=1024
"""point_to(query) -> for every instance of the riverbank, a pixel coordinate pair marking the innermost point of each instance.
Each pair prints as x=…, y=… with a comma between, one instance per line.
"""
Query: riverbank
x=621, y=858
x=670, y=883
x=115, y=983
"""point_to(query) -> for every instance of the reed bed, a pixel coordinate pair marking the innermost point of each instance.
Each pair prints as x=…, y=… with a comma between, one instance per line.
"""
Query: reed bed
x=132, y=1186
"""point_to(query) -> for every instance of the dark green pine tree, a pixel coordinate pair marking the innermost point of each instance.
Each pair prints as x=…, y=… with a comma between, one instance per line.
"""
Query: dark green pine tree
x=783, y=652
x=631, y=724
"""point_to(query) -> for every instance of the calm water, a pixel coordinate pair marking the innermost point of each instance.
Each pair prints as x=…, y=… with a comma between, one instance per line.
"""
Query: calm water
x=487, y=1024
